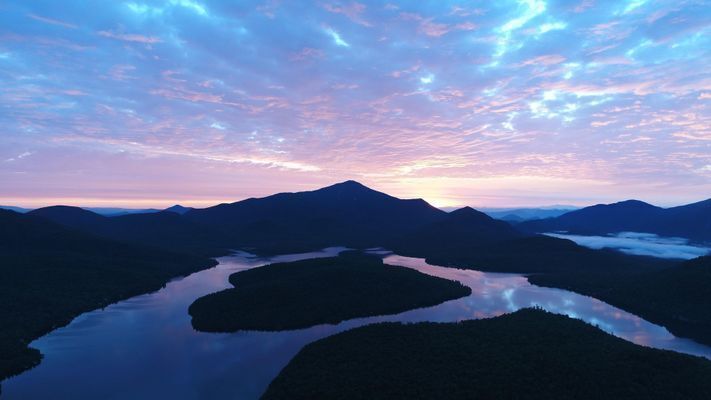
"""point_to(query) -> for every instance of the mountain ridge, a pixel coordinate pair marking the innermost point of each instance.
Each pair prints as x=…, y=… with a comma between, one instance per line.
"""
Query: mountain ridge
x=691, y=221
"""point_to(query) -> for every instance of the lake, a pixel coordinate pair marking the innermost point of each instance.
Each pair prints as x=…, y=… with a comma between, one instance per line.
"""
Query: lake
x=146, y=348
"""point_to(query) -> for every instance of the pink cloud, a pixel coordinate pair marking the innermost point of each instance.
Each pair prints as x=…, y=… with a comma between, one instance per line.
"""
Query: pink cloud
x=550, y=59
x=307, y=53
x=74, y=92
x=129, y=37
x=52, y=21
x=583, y=5
x=428, y=27
x=120, y=72
x=353, y=11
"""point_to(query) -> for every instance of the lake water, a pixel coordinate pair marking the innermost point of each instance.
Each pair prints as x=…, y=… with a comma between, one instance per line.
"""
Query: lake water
x=641, y=244
x=146, y=348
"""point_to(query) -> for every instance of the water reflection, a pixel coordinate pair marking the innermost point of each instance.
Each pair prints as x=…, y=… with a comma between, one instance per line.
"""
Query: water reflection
x=145, y=347
x=493, y=294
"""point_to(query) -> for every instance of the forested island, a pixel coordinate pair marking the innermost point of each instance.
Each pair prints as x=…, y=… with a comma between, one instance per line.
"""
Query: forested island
x=529, y=354
x=318, y=291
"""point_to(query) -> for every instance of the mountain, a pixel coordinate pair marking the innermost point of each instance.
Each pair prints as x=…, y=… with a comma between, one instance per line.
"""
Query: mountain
x=471, y=239
x=521, y=214
x=692, y=221
x=166, y=230
x=15, y=209
x=526, y=214
x=178, y=209
x=346, y=213
x=73, y=217
x=459, y=231
x=50, y=273
x=115, y=212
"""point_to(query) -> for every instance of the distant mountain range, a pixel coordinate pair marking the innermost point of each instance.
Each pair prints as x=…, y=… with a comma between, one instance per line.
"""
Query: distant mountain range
x=527, y=214
x=110, y=211
x=691, y=221
x=15, y=209
x=167, y=230
x=522, y=213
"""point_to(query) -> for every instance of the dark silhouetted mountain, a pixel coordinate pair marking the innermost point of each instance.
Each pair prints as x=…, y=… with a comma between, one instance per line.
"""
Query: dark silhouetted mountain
x=50, y=273
x=691, y=221
x=458, y=232
x=471, y=239
x=167, y=230
x=73, y=217
x=347, y=213
x=178, y=209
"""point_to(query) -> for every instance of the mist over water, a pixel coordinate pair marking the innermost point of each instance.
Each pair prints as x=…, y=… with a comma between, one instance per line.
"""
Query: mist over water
x=641, y=244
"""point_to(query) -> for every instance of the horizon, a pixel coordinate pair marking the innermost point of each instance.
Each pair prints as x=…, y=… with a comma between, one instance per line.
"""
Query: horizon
x=109, y=204
x=528, y=103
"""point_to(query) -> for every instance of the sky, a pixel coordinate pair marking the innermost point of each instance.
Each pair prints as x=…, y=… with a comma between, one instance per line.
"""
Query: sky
x=147, y=103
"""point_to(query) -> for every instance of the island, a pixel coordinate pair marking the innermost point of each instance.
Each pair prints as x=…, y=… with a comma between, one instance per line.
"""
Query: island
x=529, y=354
x=311, y=292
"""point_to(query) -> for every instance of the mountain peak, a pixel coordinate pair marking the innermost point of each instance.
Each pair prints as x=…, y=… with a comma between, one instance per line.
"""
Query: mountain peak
x=63, y=210
x=632, y=203
x=463, y=211
x=178, y=209
x=468, y=212
x=349, y=186
x=69, y=216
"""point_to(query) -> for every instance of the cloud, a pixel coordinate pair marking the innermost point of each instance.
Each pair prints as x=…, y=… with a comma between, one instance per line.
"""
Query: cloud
x=52, y=21
x=641, y=244
x=20, y=156
x=549, y=59
x=337, y=40
x=428, y=27
x=354, y=12
x=129, y=37
x=307, y=53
